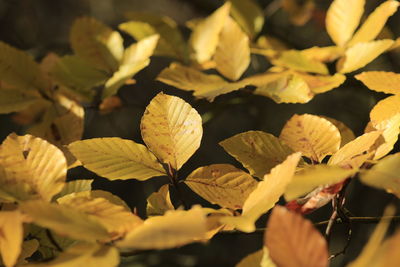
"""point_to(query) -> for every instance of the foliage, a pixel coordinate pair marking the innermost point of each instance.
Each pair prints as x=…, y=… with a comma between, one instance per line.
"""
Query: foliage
x=310, y=163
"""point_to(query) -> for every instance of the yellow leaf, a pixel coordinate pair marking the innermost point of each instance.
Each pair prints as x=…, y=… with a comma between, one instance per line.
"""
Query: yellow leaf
x=388, y=254
x=28, y=248
x=296, y=60
x=249, y=15
x=346, y=156
x=314, y=136
x=11, y=228
x=342, y=19
x=323, y=54
x=313, y=176
x=204, y=85
x=290, y=88
x=12, y=100
x=375, y=22
x=175, y=228
x=390, y=130
x=266, y=194
x=18, y=69
x=319, y=84
x=171, y=129
x=369, y=255
x=232, y=60
x=205, y=36
x=33, y=168
x=84, y=254
x=106, y=208
x=288, y=233
x=361, y=54
x=384, y=175
x=135, y=58
x=159, y=202
x=64, y=220
x=258, y=151
x=385, y=109
x=345, y=132
x=222, y=184
x=116, y=158
x=75, y=187
x=381, y=81
x=97, y=43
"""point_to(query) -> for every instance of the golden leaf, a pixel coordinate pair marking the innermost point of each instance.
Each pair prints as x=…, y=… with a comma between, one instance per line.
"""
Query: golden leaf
x=116, y=158
x=314, y=136
x=174, y=229
x=345, y=132
x=12, y=100
x=11, y=228
x=205, y=36
x=232, y=60
x=171, y=129
x=381, y=81
x=204, y=85
x=288, y=233
x=251, y=260
x=375, y=22
x=33, y=168
x=135, y=58
x=296, y=60
x=97, y=43
x=313, y=176
x=249, y=15
x=266, y=194
x=319, y=84
x=384, y=175
x=159, y=202
x=342, y=19
x=388, y=256
x=258, y=151
x=385, y=109
x=347, y=155
x=323, y=54
x=222, y=184
x=75, y=187
x=18, y=69
x=390, y=130
x=361, y=54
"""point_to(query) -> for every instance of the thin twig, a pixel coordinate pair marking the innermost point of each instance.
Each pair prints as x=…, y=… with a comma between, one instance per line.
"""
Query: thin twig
x=173, y=178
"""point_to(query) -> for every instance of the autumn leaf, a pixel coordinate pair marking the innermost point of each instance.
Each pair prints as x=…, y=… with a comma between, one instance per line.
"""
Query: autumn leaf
x=260, y=258
x=159, y=202
x=28, y=248
x=390, y=130
x=249, y=15
x=174, y=229
x=258, y=151
x=32, y=168
x=171, y=129
x=75, y=186
x=289, y=234
x=12, y=100
x=222, y=184
x=314, y=136
x=11, y=227
x=296, y=60
x=381, y=81
x=385, y=109
x=319, y=84
x=116, y=158
x=346, y=133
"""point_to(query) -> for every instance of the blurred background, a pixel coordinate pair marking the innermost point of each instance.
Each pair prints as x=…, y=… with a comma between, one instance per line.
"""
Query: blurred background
x=42, y=26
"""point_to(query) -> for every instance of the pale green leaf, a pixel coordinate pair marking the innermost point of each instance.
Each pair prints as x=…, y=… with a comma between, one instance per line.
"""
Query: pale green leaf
x=249, y=15
x=296, y=60
x=75, y=187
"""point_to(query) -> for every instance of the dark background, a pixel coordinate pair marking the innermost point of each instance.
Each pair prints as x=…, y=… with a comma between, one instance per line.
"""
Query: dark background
x=42, y=26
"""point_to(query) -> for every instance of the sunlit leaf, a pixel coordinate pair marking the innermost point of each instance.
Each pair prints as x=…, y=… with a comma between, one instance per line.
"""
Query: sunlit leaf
x=135, y=58
x=85, y=254
x=171, y=129
x=361, y=54
x=342, y=19
x=75, y=186
x=314, y=136
x=369, y=254
x=319, y=84
x=346, y=133
x=347, y=155
x=174, y=229
x=390, y=130
x=205, y=36
x=384, y=175
x=375, y=22
x=18, y=69
x=232, y=60
x=258, y=151
x=159, y=202
x=33, y=168
x=323, y=54
x=388, y=256
x=289, y=233
x=313, y=176
x=204, y=85
x=296, y=60
x=381, y=81
x=97, y=43
x=249, y=15
x=12, y=100
x=385, y=109
x=266, y=194
x=116, y=158
x=11, y=228
x=222, y=184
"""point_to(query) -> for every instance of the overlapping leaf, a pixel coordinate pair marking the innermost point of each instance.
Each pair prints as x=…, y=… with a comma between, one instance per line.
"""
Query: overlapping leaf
x=12, y=100
x=249, y=15
x=171, y=129
x=11, y=227
x=381, y=81
x=385, y=109
x=159, y=202
x=296, y=60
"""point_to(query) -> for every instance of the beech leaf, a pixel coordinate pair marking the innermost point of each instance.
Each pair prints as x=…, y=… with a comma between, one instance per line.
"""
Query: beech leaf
x=381, y=81
x=12, y=231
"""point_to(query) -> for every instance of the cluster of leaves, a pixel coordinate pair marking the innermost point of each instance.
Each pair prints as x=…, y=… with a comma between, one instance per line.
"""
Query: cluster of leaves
x=309, y=164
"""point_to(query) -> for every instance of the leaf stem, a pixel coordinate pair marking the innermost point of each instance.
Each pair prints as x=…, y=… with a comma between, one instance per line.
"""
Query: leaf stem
x=173, y=178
